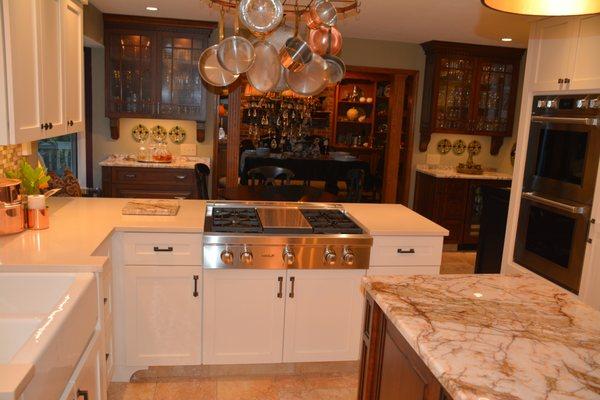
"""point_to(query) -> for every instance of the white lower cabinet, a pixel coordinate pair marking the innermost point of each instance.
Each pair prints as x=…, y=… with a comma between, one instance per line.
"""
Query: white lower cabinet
x=243, y=316
x=323, y=314
x=163, y=315
x=87, y=382
x=273, y=316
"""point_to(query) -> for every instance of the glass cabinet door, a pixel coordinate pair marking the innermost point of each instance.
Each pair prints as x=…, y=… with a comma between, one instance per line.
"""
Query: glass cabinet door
x=453, y=103
x=182, y=92
x=130, y=89
x=493, y=97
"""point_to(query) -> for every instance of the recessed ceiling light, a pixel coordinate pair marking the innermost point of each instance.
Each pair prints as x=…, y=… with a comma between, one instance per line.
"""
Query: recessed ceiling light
x=152, y=8
x=506, y=39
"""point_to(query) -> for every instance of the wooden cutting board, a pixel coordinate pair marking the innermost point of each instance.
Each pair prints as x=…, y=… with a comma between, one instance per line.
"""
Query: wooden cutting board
x=151, y=207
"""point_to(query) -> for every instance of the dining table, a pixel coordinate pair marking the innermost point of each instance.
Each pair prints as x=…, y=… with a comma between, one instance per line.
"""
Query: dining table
x=323, y=168
x=278, y=193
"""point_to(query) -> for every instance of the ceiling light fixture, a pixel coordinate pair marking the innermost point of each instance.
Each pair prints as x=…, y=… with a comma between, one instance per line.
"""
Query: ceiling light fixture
x=506, y=39
x=545, y=7
x=151, y=8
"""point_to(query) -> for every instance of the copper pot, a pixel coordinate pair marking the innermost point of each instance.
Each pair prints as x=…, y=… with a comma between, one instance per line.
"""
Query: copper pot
x=325, y=41
x=295, y=54
x=12, y=218
x=10, y=190
x=321, y=13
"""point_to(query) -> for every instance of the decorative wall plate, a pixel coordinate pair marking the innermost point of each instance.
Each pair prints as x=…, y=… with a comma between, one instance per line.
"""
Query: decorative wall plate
x=159, y=134
x=177, y=134
x=458, y=147
x=474, y=147
x=140, y=133
x=444, y=146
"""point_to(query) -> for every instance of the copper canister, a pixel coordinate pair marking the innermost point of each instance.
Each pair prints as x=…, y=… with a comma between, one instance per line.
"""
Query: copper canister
x=12, y=210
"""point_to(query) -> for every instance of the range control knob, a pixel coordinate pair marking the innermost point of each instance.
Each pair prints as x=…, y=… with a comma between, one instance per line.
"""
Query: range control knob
x=246, y=257
x=581, y=103
x=348, y=257
x=289, y=258
x=330, y=257
x=227, y=257
x=541, y=104
x=595, y=103
x=553, y=104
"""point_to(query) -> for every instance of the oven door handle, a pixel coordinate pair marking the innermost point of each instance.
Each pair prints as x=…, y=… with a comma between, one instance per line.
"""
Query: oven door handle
x=567, y=120
x=584, y=210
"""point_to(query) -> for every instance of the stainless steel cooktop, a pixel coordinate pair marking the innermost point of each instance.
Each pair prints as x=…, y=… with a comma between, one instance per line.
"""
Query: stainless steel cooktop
x=283, y=235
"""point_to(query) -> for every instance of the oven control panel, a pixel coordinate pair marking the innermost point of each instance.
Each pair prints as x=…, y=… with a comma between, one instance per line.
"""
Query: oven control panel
x=557, y=104
x=281, y=256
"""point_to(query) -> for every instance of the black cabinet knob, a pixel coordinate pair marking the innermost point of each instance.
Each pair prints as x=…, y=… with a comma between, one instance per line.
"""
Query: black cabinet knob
x=567, y=80
x=50, y=125
x=560, y=80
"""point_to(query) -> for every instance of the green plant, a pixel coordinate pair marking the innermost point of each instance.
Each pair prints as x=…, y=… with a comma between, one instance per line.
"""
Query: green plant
x=32, y=179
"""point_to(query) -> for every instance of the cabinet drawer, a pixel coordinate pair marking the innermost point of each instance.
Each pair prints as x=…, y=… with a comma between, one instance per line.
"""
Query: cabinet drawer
x=406, y=250
x=162, y=249
x=151, y=175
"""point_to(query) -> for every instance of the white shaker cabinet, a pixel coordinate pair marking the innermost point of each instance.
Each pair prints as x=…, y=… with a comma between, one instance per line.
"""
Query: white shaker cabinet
x=243, y=316
x=72, y=28
x=323, y=315
x=43, y=41
x=566, y=53
x=88, y=380
x=163, y=314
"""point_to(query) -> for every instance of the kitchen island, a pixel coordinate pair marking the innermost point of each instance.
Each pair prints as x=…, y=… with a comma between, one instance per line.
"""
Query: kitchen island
x=474, y=337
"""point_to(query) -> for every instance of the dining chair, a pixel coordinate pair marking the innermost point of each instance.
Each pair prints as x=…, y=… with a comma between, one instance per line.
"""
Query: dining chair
x=268, y=174
x=202, y=173
x=355, y=179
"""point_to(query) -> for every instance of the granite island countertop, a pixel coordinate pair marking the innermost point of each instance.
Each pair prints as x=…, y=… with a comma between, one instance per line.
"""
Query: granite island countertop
x=179, y=162
x=496, y=337
x=447, y=171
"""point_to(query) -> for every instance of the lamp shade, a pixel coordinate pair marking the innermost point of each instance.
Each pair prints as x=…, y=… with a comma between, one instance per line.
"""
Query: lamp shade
x=545, y=7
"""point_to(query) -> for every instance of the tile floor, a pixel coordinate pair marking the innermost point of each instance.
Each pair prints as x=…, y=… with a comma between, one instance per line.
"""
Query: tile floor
x=311, y=386
x=458, y=262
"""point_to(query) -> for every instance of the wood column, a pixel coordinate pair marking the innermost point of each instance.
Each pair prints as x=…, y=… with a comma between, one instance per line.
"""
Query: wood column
x=392, y=150
x=233, y=136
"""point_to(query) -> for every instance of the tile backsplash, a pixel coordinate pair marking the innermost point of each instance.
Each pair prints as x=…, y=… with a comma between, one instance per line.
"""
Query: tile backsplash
x=9, y=158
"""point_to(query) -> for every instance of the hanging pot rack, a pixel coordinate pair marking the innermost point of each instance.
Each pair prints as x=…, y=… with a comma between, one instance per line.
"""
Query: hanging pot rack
x=343, y=7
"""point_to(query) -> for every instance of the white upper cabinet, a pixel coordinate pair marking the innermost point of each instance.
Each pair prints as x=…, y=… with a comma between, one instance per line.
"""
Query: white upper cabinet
x=72, y=26
x=43, y=42
x=323, y=315
x=566, y=54
x=23, y=69
x=585, y=62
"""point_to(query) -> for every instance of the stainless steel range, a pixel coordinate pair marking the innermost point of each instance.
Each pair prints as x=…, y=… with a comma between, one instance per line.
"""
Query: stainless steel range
x=283, y=235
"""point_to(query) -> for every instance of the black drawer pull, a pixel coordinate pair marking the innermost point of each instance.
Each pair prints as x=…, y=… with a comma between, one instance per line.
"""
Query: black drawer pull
x=409, y=251
x=293, y=283
x=195, y=286
x=82, y=393
x=280, y=292
x=156, y=248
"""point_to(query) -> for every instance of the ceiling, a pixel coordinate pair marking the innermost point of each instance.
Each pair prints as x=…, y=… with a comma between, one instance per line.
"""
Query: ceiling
x=417, y=21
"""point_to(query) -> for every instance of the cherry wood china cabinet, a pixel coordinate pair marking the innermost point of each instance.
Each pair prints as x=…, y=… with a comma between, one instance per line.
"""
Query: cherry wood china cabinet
x=469, y=89
x=152, y=69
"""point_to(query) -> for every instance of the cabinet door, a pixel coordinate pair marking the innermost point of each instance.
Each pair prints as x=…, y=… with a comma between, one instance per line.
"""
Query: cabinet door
x=23, y=62
x=323, y=315
x=454, y=87
x=584, y=72
x=550, y=51
x=243, y=316
x=163, y=315
x=51, y=46
x=72, y=30
x=89, y=382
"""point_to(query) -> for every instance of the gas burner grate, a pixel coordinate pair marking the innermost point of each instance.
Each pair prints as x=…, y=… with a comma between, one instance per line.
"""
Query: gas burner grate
x=331, y=222
x=236, y=220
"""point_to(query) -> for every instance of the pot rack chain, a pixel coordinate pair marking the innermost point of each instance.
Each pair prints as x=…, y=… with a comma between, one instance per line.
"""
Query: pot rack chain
x=343, y=7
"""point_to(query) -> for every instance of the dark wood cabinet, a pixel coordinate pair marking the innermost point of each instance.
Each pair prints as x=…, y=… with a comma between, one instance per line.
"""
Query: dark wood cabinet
x=152, y=69
x=390, y=368
x=469, y=89
x=455, y=204
x=149, y=183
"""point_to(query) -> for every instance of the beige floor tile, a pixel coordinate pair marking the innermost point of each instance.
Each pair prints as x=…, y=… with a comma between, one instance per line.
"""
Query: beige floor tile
x=131, y=391
x=459, y=262
x=246, y=389
x=182, y=389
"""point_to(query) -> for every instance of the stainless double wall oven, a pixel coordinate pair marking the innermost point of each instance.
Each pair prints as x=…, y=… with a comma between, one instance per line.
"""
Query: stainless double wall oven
x=558, y=187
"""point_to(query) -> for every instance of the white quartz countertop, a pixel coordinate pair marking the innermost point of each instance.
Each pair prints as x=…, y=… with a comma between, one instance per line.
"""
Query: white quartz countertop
x=393, y=219
x=179, y=162
x=496, y=337
x=79, y=229
x=450, y=172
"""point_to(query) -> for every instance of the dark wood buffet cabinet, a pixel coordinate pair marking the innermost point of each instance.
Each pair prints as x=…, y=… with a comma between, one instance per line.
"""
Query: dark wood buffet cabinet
x=454, y=203
x=389, y=368
x=149, y=183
